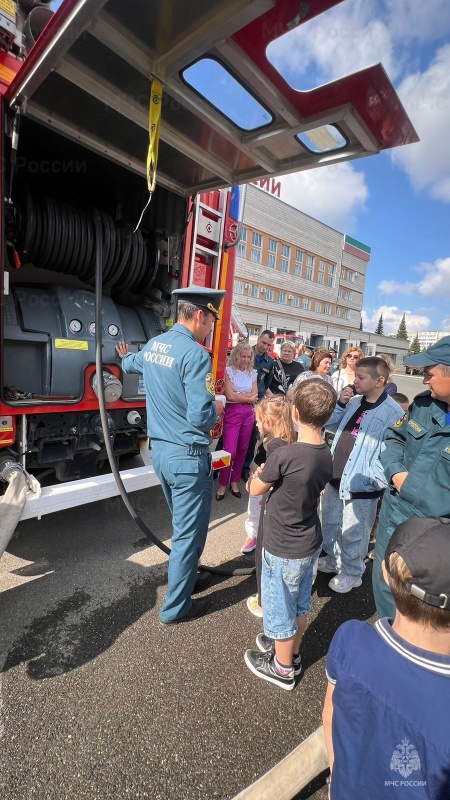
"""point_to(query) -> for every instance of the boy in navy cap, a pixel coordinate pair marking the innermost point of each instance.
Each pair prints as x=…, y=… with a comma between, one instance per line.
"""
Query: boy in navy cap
x=386, y=715
x=416, y=460
x=181, y=410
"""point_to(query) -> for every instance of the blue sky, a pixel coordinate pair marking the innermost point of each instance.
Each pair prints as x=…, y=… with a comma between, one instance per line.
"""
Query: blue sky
x=399, y=201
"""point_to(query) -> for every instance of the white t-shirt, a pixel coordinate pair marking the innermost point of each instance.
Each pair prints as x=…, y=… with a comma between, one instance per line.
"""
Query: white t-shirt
x=340, y=380
x=241, y=380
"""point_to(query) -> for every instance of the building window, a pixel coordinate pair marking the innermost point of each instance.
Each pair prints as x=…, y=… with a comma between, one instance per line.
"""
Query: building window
x=255, y=256
x=331, y=269
x=309, y=261
x=321, y=266
x=242, y=244
x=309, y=274
x=319, y=308
x=273, y=246
x=299, y=255
x=271, y=261
x=346, y=314
x=239, y=287
x=338, y=311
x=254, y=330
x=269, y=295
x=340, y=292
x=257, y=239
x=284, y=265
x=295, y=301
x=320, y=278
x=285, y=250
x=298, y=270
x=253, y=290
x=306, y=304
x=349, y=294
x=351, y=276
x=327, y=308
x=330, y=281
x=282, y=297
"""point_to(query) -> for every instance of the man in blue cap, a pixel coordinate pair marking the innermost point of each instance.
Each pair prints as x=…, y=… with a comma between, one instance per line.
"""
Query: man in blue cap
x=181, y=410
x=416, y=461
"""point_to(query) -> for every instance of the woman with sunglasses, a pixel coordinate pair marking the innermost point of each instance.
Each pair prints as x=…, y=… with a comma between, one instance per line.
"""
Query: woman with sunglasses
x=345, y=375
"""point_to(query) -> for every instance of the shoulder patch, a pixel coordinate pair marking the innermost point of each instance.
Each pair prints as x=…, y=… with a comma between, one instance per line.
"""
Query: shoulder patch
x=400, y=421
x=209, y=382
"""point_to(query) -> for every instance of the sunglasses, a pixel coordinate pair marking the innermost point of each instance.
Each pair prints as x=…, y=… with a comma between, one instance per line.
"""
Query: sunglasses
x=357, y=356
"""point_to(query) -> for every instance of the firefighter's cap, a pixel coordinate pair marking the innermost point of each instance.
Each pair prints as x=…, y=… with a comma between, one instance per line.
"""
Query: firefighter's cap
x=206, y=299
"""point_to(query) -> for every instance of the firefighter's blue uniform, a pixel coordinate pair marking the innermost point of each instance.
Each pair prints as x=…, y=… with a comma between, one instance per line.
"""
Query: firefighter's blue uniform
x=419, y=444
x=179, y=387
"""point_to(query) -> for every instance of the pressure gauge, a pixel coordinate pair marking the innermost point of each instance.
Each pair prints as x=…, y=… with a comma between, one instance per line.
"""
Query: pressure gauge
x=75, y=325
x=113, y=330
x=92, y=328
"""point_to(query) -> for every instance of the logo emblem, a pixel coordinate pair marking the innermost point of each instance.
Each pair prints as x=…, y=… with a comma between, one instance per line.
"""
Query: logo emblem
x=209, y=382
x=405, y=759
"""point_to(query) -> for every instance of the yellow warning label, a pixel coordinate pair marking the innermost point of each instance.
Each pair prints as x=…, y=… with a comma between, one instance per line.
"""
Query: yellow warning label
x=6, y=75
x=2, y=430
x=8, y=6
x=70, y=344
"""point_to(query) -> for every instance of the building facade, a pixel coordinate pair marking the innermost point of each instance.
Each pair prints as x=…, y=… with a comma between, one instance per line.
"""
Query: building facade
x=427, y=338
x=295, y=275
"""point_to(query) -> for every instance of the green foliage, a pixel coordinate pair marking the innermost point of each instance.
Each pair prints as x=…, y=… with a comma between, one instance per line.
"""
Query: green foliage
x=379, y=328
x=414, y=347
x=402, y=333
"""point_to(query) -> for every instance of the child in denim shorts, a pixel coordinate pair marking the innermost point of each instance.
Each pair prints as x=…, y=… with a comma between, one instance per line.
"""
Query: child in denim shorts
x=295, y=474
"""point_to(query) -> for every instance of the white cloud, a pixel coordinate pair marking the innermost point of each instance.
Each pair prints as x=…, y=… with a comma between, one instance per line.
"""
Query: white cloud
x=333, y=194
x=419, y=21
x=392, y=316
x=446, y=324
x=344, y=40
x=394, y=287
x=435, y=283
x=426, y=97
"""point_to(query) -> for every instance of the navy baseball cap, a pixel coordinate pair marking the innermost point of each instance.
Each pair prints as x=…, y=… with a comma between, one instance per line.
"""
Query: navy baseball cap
x=438, y=353
x=206, y=299
x=424, y=545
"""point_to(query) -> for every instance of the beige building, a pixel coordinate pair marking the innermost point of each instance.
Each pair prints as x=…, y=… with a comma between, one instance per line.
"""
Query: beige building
x=427, y=338
x=297, y=276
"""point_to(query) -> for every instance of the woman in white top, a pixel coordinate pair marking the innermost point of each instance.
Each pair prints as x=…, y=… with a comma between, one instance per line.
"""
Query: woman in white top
x=319, y=368
x=345, y=375
x=241, y=392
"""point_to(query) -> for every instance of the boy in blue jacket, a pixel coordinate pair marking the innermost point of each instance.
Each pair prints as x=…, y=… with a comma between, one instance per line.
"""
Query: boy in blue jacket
x=349, y=502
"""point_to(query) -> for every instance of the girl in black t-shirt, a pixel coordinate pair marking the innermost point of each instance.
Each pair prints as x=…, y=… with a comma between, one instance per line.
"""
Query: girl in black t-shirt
x=274, y=421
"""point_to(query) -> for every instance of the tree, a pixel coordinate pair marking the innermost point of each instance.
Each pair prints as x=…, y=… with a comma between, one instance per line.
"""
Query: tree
x=402, y=332
x=379, y=328
x=414, y=347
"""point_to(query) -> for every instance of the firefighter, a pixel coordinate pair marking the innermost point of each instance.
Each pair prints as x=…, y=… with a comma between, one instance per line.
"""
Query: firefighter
x=181, y=410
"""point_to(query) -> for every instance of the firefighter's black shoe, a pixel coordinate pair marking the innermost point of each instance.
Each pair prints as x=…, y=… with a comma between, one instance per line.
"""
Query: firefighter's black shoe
x=203, y=580
x=198, y=608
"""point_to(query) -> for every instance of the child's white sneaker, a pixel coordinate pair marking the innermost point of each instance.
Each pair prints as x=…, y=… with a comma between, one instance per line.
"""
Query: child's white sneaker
x=324, y=565
x=253, y=606
x=344, y=583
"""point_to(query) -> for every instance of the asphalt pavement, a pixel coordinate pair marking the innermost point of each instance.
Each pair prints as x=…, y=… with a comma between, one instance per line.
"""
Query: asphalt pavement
x=97, y=701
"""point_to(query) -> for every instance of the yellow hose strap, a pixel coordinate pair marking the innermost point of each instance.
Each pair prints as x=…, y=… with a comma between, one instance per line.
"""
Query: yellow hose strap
x=154, y=124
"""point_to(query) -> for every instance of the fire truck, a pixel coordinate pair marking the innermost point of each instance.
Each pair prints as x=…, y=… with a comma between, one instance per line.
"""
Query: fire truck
x=123, y=126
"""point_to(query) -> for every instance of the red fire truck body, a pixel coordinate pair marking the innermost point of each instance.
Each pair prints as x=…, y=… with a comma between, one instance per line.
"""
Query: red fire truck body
x=75, y=132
